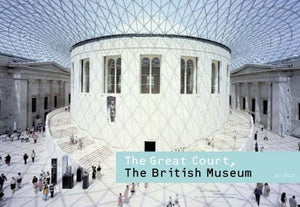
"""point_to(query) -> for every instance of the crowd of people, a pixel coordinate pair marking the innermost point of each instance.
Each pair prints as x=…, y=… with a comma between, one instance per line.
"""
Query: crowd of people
x=43, y=185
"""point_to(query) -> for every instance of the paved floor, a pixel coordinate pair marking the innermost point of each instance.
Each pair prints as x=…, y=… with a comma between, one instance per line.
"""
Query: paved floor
x=103, y=192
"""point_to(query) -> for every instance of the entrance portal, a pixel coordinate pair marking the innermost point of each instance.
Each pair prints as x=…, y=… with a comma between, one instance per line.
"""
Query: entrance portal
x=149, y=146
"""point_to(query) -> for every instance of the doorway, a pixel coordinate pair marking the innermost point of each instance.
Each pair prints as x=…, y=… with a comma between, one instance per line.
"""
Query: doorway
x=149, y=146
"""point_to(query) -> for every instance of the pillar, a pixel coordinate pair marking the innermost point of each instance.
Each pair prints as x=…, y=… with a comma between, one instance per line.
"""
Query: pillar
x=269, y=121
x=257, y=102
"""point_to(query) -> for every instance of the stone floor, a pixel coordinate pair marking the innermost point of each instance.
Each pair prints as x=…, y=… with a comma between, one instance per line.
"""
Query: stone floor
x=103, y=192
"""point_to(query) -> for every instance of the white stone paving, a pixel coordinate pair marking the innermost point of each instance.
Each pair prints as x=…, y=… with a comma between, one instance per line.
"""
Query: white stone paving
x=103, y=192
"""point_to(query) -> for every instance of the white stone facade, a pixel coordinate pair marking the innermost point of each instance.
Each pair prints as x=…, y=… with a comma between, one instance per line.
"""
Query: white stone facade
x=277, y=86
x=169, y=118
x=20, y=82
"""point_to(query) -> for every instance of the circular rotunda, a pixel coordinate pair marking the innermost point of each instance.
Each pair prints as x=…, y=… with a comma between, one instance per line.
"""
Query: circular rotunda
x=149, y=92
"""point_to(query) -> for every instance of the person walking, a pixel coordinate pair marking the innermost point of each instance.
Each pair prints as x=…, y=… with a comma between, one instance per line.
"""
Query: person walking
x=51, y=188
x=35, y=184
x=45, y=192
x=120, y=200
x=256, y=147
x=13, y=184
x=176, y=201
x=283, y=199
x=2, y=180
x=126, y=194
x=19, y=180
x=266, y=190
x=94, y=172
x=170, y=203
x=99, y=170
x=255, y=136
x=80, y=144
x=7, y=159
x=32, y=155
x=257, y=193
x=40, y=184
x=25, y=157
x=293, y=202
x=48, y=177
x=132, y=191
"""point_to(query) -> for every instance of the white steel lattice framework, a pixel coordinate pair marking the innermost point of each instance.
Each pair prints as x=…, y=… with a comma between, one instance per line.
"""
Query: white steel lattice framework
x=257, y=31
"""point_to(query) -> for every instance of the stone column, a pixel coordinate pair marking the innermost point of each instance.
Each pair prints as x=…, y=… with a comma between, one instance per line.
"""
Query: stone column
x=269, y=124
x=51, y=95
x=247, y=97
x=29, y=104
x=238, y=96
x=257, y=102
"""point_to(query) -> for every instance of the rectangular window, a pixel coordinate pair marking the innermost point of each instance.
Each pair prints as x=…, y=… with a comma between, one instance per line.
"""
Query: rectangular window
x=81, y=77
x=215, y=76
x=253, y=105
x=33, y=105
x=150, y=74
x=244, y=103
x=298, y=111
x=265, y=106
x=72, y=77
x=45, y=103
x=85, y=76
x=112, y=74
x=55, y=101
x=69, y=96
x=188, y=75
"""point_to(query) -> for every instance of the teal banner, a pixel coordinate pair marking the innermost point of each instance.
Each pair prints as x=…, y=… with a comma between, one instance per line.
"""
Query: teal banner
x=208, y=167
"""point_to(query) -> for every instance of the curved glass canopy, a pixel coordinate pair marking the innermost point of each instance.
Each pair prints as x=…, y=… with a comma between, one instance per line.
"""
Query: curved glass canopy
x=256, y=31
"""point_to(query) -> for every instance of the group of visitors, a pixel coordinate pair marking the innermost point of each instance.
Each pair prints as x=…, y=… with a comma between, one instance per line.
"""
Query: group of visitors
x=175, y=203
x=43, y=185
x=126, y=197
x=73, y=142
x=261, y=189
x=16, y=182
x=25, y=157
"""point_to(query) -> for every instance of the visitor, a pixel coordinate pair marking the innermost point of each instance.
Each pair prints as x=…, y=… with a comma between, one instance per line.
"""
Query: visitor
x=293, y=202
x=51, y=188
x=262, y=128
x=7, y=159
x=35, y=139
x=283, y=199
x=266, y=138
x=2, y=180
x=256, y=147
x=80, y=144
x=132, y=191
x=32, y=155
x=170, y=203
x=45, y=192
x=19, y=180
x=13, y=184
x=266, y=190
x=48, y=177
x=40, y=184
x=176, y=201
x=35, y=184
x=255, y=136
x=1, y=195
x=99, y=170
x=126, y=194
x=94, y=172
x=120, y=201
x=257, y=193
x=72, y=139
x=25, y=157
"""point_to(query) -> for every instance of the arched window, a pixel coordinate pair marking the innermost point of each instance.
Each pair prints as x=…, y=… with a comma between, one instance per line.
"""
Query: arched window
x=113, y=75
x=187, y=75
x=150, y=74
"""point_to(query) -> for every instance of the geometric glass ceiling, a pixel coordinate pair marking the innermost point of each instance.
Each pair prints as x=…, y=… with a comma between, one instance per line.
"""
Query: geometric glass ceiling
x=256, y=31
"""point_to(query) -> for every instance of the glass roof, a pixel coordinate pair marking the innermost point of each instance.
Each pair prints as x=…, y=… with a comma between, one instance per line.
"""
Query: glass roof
x=256, y=31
